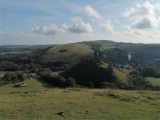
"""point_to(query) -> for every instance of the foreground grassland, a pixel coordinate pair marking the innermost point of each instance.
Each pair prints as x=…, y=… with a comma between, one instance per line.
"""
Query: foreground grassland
x=39, y=102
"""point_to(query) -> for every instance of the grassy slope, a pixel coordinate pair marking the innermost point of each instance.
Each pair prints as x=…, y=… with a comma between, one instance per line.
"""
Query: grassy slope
x=84, y=72
x=75, y=52
x=107, y=47
x=154, y=81
x=120, y=75
x=87, y=71
x=33, y=84
x=1, y=74
x=43, y=104
x=127, y=71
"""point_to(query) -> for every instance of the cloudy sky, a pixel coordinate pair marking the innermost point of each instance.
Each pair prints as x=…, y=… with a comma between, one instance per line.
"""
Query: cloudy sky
x=30, y=22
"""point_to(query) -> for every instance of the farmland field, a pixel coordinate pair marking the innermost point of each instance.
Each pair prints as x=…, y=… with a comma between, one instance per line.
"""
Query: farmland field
x=39, y=102
x=107, y=47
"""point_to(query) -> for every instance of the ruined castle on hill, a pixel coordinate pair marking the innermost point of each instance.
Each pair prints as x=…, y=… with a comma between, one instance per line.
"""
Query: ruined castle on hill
x=98, y=54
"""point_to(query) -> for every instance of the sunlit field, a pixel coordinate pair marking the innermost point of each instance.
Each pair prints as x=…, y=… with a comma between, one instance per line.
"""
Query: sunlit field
x=38, y=101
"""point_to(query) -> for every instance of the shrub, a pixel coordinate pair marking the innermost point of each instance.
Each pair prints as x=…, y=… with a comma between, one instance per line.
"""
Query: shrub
x=63, y=50
x=70, y=82
x=58, y=81
x=90, y=85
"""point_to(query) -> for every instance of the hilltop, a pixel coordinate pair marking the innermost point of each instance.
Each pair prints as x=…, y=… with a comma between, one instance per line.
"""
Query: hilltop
x=66, y=53
x=87, y=71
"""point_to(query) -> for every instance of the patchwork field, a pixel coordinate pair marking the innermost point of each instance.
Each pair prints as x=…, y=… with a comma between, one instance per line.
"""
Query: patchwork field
x=39, y=102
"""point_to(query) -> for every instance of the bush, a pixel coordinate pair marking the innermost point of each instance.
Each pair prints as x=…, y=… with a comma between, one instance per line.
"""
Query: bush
x=13, y=77
x=134, y=72
x=58, y=81
x=70, y=82
x=90, y=85
x=63, y=50
x=149, y=71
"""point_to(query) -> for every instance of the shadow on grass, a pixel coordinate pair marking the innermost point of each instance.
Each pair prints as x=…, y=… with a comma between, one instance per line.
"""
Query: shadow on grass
x=45, y=83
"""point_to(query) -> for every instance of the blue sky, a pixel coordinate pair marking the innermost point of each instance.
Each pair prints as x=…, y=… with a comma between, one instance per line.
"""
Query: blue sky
x=32, y=22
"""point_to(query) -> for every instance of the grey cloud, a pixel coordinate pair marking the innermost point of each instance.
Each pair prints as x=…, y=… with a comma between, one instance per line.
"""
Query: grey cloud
x=146, y=23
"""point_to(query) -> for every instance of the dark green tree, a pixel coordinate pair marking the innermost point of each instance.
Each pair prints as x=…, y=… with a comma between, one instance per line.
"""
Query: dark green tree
x=70, y=82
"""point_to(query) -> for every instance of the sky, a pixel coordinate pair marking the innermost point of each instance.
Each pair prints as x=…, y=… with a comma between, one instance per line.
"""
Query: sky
x=41, y=22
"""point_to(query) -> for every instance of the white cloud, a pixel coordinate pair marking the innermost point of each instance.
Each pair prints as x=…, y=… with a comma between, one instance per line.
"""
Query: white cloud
x=81, y=28
x=106, y=26
x=157, y=6
x=88, y=10
x=51, y=29
x=33, y=21
x=64, y=27
x=117, y=21
x=2, y=33
x=77, y=19
x=143, y=16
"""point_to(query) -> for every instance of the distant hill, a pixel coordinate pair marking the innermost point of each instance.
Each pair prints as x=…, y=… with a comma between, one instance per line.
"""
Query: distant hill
x=66, y=53
x=117, y=52
x=18, y=48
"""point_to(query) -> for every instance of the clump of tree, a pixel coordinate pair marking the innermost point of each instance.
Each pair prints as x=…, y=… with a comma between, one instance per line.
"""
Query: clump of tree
x=13, y=77
x=90, y=85
x=11, y=66
x=70, y=82
x=57, y=80
x=149, y=71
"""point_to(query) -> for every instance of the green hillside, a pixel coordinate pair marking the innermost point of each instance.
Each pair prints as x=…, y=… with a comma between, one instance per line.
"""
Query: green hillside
x=154, y=81
x=67, y=53
x=87, y=71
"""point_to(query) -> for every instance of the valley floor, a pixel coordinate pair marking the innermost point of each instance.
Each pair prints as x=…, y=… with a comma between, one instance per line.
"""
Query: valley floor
x=39, y=102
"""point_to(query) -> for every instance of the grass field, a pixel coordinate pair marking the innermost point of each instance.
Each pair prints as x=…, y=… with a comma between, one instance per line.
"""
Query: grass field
x=154, y=81
x=1, y=74
x=38, y=102
x=106, y=47
x=73, y=52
